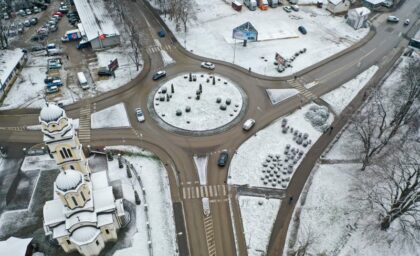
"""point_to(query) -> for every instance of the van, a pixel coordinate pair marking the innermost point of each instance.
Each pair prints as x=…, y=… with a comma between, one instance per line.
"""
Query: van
x=248, y=124
x=82, y=81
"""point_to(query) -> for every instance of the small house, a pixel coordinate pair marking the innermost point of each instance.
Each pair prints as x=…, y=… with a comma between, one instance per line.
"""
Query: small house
x=358, y=17
x=338, y=6
x=11, y=62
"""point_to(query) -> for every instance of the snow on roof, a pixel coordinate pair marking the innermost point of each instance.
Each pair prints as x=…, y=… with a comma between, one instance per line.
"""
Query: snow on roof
x=14, y=245
x=374, y=2
x=417, y=35
x=95, y=18
x=362, y=11
x=68, y=180
x=336, y=2
x=99, y=180
x=84, y=235
x=105, y=219
x=8, y=61
x=53, y=212
x=81, y=217
x=60, y=231
x=51, y=112
x=103, y=199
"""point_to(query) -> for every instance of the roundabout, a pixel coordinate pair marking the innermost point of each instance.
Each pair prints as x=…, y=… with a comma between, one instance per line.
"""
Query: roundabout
x=197, y=103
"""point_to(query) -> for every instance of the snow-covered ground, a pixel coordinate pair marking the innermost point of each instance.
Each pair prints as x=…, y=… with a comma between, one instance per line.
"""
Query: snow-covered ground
x=258, y=216
x=111, y=117
x=210, y=35
x=349, y=90
x=205, y=113
x=261, y=161
x=166, y=58
x=40, y=162
x=278, y=95
x=329, y=207
x=156, y=185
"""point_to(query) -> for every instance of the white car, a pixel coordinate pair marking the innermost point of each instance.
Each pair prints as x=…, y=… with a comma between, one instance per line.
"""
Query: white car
x=207, y=65
x=139, y=115
x=248, y=124
x=393, y=19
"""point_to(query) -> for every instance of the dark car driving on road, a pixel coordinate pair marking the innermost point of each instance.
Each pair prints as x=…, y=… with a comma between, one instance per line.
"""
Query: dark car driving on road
x=223, y=158
x=158, y=75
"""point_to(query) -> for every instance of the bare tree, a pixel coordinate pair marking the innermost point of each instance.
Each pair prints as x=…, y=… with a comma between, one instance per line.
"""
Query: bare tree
x=135, y=45
x=306, y=239
x=393, y=189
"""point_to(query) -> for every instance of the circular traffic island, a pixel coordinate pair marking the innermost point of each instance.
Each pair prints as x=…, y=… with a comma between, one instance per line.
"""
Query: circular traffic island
x=197, y=104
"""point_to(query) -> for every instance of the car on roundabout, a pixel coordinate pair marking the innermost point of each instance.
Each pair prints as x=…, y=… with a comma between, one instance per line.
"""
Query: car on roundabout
x=223, y=158
x=208, y=65
x=139, y=115
x=158, y=75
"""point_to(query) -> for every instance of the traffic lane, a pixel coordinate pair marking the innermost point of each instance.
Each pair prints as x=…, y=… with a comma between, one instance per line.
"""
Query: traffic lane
x=181, y=234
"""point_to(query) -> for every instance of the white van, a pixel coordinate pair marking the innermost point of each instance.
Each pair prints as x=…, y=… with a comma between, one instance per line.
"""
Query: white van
x=248, y=124
x=82, y=81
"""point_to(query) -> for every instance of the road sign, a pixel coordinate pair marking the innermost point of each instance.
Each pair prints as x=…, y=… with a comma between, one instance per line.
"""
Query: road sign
x=113, y=65
x=245, y=32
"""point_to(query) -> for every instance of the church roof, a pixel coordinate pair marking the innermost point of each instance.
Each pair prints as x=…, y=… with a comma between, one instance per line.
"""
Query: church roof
x=53, y=212
x=84, y=235
x=68, y=180
x=51, y=112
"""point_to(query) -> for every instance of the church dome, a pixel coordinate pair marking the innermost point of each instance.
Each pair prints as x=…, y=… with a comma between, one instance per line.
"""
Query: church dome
x=84, y=235
x=68, y=180
x=51, y=112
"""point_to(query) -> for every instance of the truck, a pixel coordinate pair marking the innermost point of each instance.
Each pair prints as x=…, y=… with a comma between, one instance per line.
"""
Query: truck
x=72, y=35
x=206, y=206
x=263, y=5
x=273, y=3
x=251, y=4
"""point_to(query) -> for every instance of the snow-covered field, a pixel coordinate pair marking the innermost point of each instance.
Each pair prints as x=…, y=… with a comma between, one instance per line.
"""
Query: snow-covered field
x=40, y=162
x=350, y=89
x=205, y=113
x=279, y=95
x=156, y=185
x=261, y=161
x=258, y=216
x=112, y=117
x=330, y=208
x=166, y=58
x=210, y=35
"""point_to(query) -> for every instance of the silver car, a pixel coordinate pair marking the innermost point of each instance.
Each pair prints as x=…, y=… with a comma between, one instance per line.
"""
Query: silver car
x=139, y=115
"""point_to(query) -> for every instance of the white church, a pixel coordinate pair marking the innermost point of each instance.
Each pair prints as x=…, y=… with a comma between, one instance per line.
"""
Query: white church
x=84, y=213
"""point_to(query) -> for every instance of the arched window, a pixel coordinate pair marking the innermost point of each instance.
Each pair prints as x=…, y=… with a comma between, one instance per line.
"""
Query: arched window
x=74, y=200
x=72, y=167
x=69, y=152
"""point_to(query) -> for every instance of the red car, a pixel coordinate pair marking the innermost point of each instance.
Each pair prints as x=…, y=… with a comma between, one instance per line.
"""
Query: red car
x=58, y=13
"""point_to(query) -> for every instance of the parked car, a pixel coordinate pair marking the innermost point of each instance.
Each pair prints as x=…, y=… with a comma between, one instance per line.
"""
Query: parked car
x=287, y=9
x=302, y=30
x=393, y=19
x=37, y=48
x=27, y=23
x=58, y=13
x=104, y=71
x=158, y=75
x=49, y=79
x=51, y=46
x=207, y=65
x=37, y=10
x=406, y=22
x=53, y=28
x=63, y=9
x=28, y=12
x=20, y=30
x=21, y=13
x=34, y=21
x=38, y=37
x=52, y=89
x=6, y=16
x=56, y=82
x=223, y=158
x=248, y=124
x=139, y=115
x=295, y=7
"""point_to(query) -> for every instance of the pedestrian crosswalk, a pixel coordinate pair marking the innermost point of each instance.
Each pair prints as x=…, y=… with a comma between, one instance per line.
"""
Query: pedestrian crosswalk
x=208, y=229
x=16, y=129
x=302, y=90
x=155, y=48
x=84, y=124
x=193, y=192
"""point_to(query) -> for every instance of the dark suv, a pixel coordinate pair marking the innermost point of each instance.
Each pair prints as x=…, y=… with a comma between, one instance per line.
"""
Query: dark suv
x=223, y=158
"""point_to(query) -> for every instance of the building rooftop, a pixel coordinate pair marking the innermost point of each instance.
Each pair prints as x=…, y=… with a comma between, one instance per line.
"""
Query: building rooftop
x=103, y=199
x=84, y=235
x=53, y=212
x=374, y=2
x=51, y=112
x=68, y=180
x=8, y=61
x=95, y=18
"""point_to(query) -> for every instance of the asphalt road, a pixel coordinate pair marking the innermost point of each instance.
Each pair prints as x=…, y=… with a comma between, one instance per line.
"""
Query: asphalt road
x=176, y=151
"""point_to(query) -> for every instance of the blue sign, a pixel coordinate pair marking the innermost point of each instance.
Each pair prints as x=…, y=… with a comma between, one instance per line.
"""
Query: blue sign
x=245, y=32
